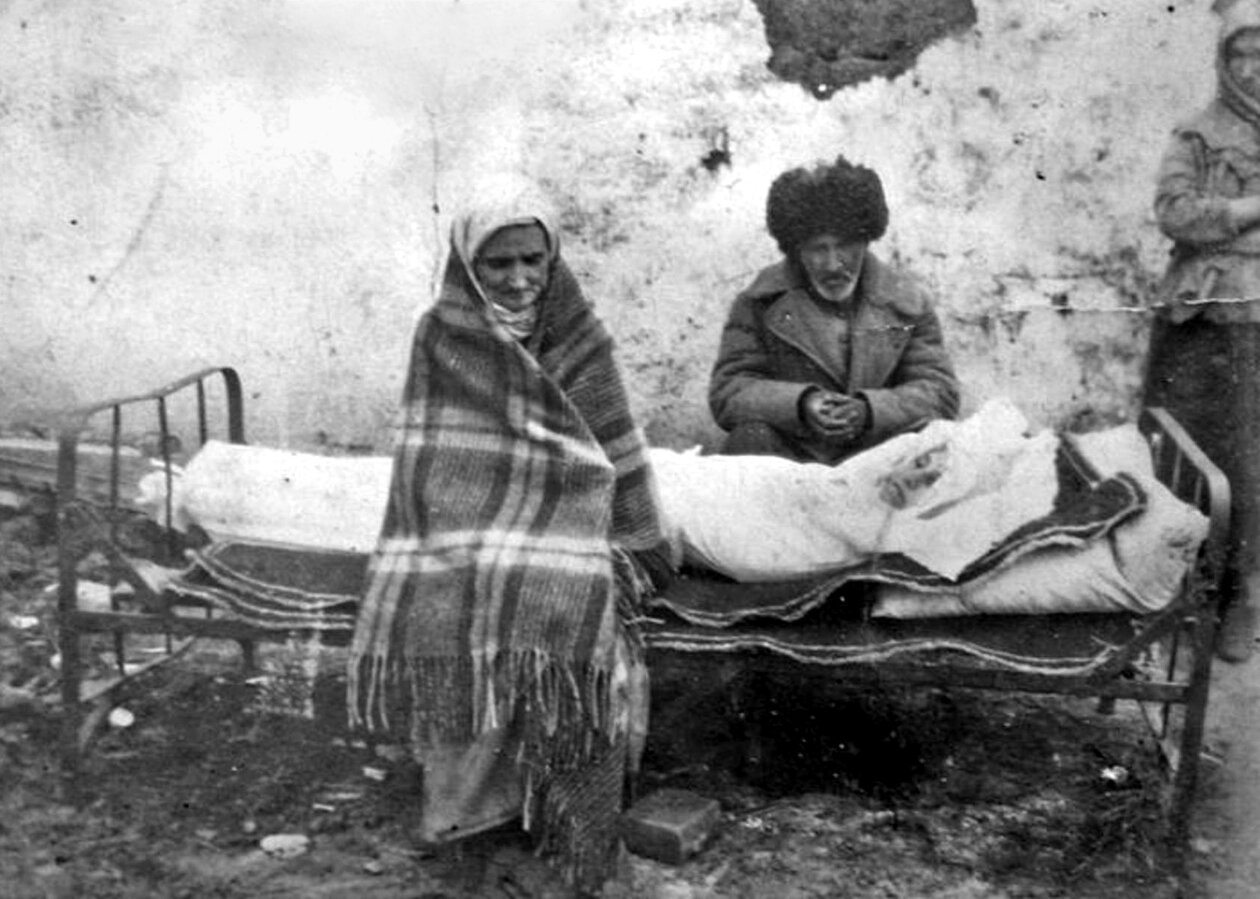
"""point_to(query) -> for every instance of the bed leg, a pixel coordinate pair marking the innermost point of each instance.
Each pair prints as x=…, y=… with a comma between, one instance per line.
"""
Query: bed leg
x=71, y=713
x=1185, y=778
x=68, y=643
x=68, y=640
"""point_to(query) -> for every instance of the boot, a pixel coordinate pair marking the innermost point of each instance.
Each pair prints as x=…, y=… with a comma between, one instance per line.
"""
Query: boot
x=1236, y=637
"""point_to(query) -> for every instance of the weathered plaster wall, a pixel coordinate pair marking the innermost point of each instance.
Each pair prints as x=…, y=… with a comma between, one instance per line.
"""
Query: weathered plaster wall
x=253, y=183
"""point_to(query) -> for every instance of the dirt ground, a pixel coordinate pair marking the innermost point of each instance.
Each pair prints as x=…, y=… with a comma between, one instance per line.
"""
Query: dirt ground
x=885, y=793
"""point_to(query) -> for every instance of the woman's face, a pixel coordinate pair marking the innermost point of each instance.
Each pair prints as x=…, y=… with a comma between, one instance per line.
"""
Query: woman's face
x=832, y=265
x=512, y=266
x=1244, y=60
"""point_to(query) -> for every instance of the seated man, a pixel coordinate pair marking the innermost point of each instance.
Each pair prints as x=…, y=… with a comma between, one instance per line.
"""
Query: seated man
x=828, y=351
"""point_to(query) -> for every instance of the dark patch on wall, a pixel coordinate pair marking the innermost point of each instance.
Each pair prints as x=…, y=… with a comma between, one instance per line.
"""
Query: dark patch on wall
x=825, y=45
x=719, y=153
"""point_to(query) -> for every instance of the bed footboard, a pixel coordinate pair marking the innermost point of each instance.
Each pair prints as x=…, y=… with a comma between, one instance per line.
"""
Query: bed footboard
x=1188, y=651
x=189, y=411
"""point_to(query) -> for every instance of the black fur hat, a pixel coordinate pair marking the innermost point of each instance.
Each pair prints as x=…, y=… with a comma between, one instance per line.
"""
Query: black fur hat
x=842, y=199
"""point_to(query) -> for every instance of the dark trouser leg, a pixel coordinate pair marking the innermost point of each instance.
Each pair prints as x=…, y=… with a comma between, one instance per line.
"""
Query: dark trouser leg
x=756, y=438
x=1206, y=375
x=1236, y=639
x=1238, y=628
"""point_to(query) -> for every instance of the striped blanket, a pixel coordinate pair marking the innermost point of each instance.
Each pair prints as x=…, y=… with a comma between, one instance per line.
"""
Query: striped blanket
x=518, y=476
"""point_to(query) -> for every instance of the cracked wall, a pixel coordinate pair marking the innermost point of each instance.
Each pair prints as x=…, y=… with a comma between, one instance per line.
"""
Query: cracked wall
x=254, y=184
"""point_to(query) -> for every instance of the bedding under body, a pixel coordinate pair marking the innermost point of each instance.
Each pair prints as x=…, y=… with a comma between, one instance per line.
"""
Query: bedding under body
x=287, y=553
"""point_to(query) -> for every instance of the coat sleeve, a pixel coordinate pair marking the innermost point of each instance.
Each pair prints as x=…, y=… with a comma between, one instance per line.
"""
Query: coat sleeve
x=922, y=386
x=743, y=386
x=1185, y=206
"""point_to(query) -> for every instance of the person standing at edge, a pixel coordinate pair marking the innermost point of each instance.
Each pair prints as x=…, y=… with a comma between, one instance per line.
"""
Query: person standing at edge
x=1205, y=341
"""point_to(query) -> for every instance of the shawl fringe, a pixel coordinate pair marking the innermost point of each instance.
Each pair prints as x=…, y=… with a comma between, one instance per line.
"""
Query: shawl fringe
x=557, y=697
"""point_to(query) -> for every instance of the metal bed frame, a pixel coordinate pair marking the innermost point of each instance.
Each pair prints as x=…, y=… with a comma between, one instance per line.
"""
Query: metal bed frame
x=1174, y=692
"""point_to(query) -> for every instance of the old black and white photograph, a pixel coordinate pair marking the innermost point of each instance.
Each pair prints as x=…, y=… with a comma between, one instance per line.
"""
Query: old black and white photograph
x=629, y=449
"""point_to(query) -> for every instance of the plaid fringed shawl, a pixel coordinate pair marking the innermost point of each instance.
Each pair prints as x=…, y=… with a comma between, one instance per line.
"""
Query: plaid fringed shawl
x=518, y=475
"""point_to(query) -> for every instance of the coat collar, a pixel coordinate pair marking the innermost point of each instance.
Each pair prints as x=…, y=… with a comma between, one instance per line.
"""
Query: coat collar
x=879, y=286
x=878, y=313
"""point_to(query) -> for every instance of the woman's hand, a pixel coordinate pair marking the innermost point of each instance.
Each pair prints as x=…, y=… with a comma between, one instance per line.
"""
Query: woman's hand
x=835, y=415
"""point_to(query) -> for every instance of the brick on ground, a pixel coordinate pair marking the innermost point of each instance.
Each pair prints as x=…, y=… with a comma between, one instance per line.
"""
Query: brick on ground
x=669, y=825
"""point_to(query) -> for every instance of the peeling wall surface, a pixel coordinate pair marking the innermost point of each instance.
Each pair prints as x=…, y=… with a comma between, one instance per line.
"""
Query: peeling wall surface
x=266, y=184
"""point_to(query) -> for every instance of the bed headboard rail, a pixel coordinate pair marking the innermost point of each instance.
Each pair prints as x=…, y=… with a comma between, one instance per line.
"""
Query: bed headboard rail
x=1187, y=471
x=76, y=422
x=211, y=416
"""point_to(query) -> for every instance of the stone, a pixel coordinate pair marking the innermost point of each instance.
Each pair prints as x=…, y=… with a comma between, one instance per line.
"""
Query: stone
x=669, y=825
x=285, y=845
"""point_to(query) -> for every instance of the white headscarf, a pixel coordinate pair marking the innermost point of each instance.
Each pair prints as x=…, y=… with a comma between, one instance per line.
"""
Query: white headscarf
x=1236, y=16
x=503, y=201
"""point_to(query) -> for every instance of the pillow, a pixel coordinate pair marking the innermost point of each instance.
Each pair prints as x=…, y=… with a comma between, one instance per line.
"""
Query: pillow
x=1156, y=549
x=1052, y=580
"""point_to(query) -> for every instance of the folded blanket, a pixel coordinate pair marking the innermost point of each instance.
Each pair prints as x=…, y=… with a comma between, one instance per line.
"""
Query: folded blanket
x=278, y=587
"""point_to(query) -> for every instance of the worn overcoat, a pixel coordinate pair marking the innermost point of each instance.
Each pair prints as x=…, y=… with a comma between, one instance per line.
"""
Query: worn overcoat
x=778, y=343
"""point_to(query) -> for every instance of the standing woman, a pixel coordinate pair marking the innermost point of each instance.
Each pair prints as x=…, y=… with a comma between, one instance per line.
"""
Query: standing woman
x=496, y=628
x=1205, y=344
